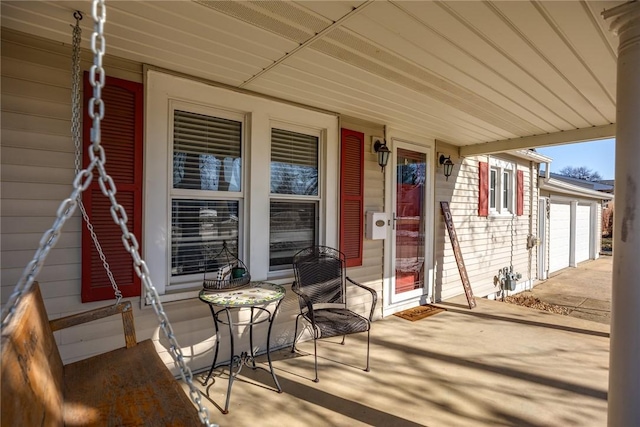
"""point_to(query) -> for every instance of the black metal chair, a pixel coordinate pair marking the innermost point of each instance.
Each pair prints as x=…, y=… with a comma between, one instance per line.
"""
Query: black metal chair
x=321, y=285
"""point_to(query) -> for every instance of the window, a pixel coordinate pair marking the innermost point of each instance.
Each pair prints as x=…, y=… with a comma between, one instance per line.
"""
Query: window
x=506, y=190
x=198, y=230
x=205, y=193
x=501, y=187
x=500, y=192
x=293, y=207
x=493, y=187
x=213, y=174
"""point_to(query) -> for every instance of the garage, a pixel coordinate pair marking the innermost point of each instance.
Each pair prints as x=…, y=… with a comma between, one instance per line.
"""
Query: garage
x=559, y=236
x=571, y=234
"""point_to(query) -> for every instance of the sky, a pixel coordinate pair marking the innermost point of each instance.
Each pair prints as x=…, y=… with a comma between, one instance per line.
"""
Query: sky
x=599, y=156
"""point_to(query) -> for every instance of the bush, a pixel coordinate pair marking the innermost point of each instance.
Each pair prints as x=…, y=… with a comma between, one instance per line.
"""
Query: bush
x=607, y=222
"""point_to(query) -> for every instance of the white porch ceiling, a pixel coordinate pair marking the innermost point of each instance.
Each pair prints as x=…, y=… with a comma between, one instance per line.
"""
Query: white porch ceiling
x=519, y=73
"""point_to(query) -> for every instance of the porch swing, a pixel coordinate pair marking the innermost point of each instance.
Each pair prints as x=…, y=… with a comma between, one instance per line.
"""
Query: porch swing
x=127, y=386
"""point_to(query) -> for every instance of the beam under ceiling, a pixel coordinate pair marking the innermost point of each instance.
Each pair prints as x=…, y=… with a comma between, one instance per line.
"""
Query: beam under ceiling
x=557, y=138
x=337, y=24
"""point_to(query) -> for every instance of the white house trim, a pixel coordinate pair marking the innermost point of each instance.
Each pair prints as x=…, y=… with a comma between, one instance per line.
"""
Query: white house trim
x=557, y=138
x=558, y=186
x=259, y=115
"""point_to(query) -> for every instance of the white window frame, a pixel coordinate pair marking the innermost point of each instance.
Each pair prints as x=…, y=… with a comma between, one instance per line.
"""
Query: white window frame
x=505, y=174
x=186, y=282
x=162, y=91
x=493, y=188
x=318, y=133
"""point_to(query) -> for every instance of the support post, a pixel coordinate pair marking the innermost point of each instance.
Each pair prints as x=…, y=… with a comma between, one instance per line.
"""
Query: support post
x=624, y=366
x=573, y=232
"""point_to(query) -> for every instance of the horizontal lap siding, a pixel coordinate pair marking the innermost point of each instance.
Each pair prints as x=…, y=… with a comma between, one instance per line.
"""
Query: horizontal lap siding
x=37, y=171
x=485, y=242
x=370, y=272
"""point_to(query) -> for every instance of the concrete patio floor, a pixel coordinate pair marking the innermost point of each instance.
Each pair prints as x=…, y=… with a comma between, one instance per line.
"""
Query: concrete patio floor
x=585, y=290
x=496, y=365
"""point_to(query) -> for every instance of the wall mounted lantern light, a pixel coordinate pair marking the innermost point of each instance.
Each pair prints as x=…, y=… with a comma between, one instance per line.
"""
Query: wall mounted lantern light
x=448, y=165
x=381, y=148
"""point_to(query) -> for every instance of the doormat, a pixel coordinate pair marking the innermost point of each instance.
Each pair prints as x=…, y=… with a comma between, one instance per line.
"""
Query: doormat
x=420, y=312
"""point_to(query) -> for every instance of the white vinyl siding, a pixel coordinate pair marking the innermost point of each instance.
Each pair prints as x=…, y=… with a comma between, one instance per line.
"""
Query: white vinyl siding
x=37, y=170
x=485, y=242
x=559, y=236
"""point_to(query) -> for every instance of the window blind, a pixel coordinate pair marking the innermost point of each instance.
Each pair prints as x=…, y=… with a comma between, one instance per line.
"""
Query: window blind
x=206, y=152
x=294, y=163
x=198, y=230
x=292, y=227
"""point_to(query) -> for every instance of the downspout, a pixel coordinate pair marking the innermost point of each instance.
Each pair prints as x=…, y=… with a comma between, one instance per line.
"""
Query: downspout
x=547, y=171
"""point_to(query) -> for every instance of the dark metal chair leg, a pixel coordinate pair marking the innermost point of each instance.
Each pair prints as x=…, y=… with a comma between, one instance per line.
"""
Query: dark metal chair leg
x=368, y=339
x=315, y=354
x=295, y=335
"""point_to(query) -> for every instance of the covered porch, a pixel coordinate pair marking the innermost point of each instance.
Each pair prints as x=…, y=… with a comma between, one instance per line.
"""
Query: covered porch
x=462, y=78
x=496, y=365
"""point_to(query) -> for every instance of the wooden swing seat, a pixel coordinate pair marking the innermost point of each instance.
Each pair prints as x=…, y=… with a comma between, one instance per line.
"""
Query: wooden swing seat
x=129, y=386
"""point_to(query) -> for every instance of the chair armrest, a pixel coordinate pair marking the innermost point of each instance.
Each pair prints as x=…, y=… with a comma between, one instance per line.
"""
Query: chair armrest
x=374, y=296
x=307, y=301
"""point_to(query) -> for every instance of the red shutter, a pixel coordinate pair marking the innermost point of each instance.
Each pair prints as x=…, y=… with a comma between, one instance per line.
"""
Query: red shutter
x=520, y=193
x=483, y=199
x=121, y=132
x=351, y=195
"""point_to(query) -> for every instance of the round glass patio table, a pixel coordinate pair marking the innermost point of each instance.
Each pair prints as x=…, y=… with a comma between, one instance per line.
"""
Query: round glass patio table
x=257, y=296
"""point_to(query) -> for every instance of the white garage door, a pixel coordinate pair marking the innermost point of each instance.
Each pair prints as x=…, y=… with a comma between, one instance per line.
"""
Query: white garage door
x=559, y=236
x=583, y=232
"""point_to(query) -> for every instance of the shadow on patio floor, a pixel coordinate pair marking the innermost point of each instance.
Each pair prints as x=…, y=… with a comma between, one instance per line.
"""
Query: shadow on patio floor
x=496, y=365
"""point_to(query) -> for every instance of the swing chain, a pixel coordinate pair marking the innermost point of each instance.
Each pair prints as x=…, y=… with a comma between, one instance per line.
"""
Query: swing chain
x=48, y=240
x=117, y=211
x=98, y=46
x=75, y=133
x=75, y=90
x=68, y=206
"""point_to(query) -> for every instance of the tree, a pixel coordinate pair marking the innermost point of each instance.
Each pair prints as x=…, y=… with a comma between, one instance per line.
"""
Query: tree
x=581, y=172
